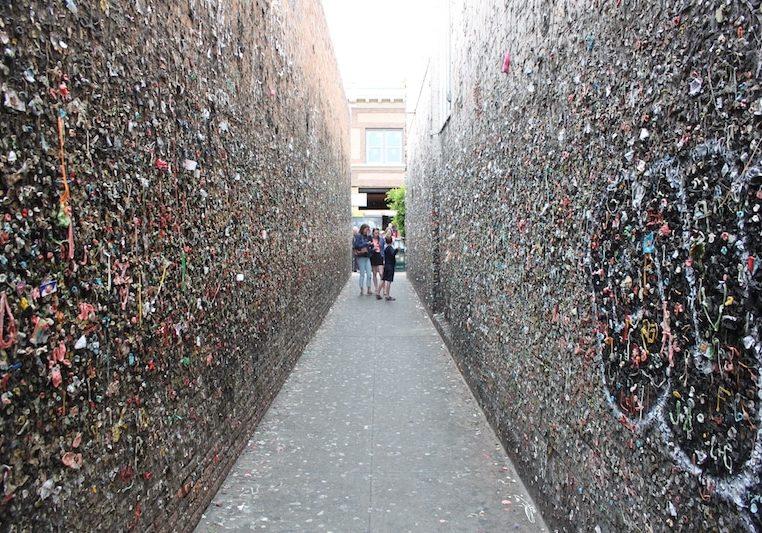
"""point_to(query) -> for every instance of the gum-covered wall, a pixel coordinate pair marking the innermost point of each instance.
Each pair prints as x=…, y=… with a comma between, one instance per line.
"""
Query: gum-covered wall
x=174, y=177
x=585, y=228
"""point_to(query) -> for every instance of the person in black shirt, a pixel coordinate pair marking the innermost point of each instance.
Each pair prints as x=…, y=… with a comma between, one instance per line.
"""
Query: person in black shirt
x=390, y=261
x=377, y=260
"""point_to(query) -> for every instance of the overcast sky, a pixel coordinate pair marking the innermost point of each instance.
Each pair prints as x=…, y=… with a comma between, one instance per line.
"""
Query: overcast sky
x=380, y=43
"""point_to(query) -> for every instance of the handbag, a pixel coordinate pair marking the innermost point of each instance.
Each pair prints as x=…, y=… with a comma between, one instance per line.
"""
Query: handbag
x=362, y=250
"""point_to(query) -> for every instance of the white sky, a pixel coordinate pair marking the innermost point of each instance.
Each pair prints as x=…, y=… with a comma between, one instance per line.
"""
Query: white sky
x=380, y=43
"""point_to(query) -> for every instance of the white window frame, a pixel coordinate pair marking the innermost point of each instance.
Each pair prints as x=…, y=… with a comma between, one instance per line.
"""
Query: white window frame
x=384, y=146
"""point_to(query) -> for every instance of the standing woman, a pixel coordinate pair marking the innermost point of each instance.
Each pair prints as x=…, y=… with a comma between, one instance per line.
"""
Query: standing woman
x=362, y=247
x=377, y=260
x=389, y=263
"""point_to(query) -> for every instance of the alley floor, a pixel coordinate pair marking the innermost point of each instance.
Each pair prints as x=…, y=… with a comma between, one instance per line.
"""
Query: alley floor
x=375, y=430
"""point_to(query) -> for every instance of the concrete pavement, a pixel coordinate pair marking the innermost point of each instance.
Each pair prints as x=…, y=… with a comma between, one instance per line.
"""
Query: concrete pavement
x=375, y=431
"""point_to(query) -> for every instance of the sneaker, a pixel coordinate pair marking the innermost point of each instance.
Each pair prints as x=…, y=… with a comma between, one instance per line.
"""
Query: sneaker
x=378, y=296
x=390, y=299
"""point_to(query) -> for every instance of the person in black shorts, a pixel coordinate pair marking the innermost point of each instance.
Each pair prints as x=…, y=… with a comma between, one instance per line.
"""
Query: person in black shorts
x=390, y=261
x=377, y=261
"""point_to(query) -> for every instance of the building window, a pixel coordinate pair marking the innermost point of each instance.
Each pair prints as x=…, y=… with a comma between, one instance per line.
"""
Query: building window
x=383, y=147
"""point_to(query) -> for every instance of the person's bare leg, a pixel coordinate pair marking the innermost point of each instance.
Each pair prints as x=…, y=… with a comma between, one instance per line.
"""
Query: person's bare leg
x=376, y=278
x=389, y=290
x=379, y=288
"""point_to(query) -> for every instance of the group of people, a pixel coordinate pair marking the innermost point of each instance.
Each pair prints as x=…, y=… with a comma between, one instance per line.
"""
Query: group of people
x=375, y=258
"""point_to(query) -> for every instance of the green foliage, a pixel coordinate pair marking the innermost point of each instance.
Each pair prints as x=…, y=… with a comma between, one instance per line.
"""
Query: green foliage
x=395, y=198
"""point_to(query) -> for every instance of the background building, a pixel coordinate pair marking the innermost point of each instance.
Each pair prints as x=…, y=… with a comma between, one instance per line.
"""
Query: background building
x=377, y=143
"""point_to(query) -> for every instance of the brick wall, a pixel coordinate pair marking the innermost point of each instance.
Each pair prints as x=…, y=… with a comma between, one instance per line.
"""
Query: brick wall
x=163, y=286
x=585, y=229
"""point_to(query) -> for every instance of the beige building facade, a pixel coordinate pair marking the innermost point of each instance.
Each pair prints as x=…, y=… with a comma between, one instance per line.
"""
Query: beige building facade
x=377, y=142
